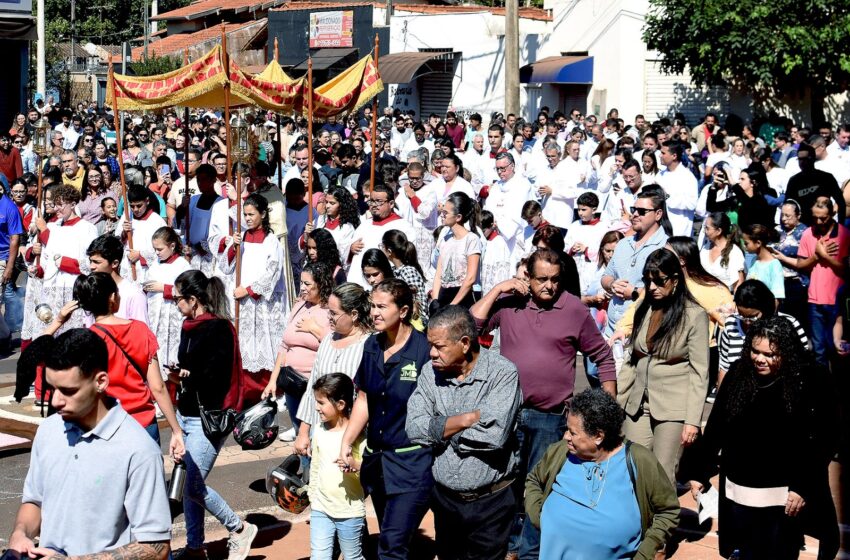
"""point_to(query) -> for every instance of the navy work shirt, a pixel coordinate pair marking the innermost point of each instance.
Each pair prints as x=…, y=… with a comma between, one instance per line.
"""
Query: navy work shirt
x=391, y=456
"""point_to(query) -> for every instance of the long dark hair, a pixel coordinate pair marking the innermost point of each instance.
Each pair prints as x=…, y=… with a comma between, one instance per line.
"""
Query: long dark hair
x=375, y=258
x=397, y=242
x=348, y=213
x=93, y=292
x=326, y=249
x=466, y=209
x=688, y=251
x=209, y=292
x=741, y=383
x=664, y=261
x=755, y=294
x=729, y=231
x=259, y=202
x=323, y=277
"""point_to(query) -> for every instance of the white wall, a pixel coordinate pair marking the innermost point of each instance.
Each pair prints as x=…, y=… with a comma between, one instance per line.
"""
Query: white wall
x=479, y=81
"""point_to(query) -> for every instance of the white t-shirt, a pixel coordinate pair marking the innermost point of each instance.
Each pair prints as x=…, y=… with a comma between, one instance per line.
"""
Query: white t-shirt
x=453, y=256
x=727, y=274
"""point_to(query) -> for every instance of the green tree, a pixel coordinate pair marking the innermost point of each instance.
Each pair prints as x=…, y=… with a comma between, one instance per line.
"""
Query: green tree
x=770, y=49
x=155, y=64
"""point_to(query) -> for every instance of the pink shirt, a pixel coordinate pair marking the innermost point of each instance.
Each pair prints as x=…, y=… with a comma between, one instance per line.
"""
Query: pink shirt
x=301, y=347
x=825, y=284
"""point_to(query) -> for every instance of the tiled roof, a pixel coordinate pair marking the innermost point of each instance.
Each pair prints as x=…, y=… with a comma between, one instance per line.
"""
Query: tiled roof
x=175, y=45
x=210, y=7
x=528, y=13
x=65, y=50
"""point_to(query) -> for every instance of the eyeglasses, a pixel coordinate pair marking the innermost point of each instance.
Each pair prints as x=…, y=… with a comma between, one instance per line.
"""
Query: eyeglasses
x=641, y=211
x=373, y=202
x=413, y=179
x=747, y=320
x=19, y=193
x=500, y=168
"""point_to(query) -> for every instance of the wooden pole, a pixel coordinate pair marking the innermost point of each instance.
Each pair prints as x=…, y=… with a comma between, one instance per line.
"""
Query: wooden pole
x=279, y=133
x=310, y=139
x=39, y=211
x=128, y=215
x=186, y=164
x=374, y=128
x=238, y=249
x=226, y=62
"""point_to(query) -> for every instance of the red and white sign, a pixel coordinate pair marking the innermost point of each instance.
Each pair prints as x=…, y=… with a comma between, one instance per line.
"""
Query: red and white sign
x=331, y=29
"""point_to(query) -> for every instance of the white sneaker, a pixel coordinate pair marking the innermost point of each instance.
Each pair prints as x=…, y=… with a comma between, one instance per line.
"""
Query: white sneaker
x=239, y=544
x=288, y=435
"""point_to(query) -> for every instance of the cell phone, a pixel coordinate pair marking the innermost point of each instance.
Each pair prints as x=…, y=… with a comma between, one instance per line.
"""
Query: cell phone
x=165, y=169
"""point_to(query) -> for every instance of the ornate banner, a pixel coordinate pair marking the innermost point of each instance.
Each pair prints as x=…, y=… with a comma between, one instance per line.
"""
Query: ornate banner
x=349, y=91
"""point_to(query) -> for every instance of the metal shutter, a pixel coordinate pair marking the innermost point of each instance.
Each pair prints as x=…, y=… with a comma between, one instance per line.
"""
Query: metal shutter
x=666, y=95
x=435, y=93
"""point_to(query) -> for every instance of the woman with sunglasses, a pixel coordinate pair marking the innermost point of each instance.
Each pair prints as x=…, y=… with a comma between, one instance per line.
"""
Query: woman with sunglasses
x=663, y=383
x=753, y=301
x=133, y=153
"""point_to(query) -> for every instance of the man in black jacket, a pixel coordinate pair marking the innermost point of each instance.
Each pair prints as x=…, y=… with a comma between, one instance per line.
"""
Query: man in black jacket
x=810, y=183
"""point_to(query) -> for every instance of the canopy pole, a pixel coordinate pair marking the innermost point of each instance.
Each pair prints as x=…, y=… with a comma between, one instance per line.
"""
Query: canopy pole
x=226, y=63
x=186, y=165
x=279, y=132
x=39, y=210
x=239, y=248
x=310, y=139
x=374, y=128
x=128, y=214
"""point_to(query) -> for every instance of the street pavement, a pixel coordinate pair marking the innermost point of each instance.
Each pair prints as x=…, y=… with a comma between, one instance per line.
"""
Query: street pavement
x=239, y=476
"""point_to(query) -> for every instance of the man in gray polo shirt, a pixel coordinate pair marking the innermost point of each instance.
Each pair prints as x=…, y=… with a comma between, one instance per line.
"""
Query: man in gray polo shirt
x=465, y=407
x=95, y=482
x=624, y=275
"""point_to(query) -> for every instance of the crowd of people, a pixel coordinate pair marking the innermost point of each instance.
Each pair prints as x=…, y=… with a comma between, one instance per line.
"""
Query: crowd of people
x=421, y=322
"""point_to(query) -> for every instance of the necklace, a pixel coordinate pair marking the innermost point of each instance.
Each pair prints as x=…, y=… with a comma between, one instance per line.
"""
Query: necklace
x=595, y=476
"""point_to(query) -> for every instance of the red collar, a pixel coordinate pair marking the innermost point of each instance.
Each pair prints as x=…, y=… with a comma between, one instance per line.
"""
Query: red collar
x=592, y=222
x=391, y=218
x=254, y=236
x=71, y=221
x=145, y=216
x=497, y=152
x=171, y=259
x=544, y=223
x=493, y=235
x=332, y=223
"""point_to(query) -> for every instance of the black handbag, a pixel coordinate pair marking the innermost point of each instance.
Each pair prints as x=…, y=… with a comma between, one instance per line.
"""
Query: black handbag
x=217, y=424
x=291, y=382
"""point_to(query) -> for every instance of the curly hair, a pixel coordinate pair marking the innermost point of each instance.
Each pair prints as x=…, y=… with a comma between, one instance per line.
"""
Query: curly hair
x=600, y=413
x=794, y=359
x=327, y=252
x=323, y=277
x=348, y=213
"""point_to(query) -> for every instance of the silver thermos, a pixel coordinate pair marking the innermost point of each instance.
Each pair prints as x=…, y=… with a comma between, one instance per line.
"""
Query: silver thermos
x=178, y=481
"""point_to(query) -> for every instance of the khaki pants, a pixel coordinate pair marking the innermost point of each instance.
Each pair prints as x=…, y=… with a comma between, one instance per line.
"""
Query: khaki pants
x=664, y=439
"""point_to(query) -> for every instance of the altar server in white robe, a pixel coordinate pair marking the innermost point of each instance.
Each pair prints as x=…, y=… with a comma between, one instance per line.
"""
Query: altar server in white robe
x=143, y=225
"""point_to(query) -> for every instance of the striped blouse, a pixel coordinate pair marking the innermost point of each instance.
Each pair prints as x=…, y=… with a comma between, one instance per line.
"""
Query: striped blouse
x=731, y=342
x=329, y=360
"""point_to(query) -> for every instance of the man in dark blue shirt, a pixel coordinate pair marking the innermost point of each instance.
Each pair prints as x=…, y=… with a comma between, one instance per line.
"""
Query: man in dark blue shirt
x=11, y=231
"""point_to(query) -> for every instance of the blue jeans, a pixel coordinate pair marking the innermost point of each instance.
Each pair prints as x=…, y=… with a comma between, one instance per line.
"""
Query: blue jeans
x=153, y=431
x=536, y=431
x=822, y=319
x=322, y=531
x=12, y=298
x=197, y=496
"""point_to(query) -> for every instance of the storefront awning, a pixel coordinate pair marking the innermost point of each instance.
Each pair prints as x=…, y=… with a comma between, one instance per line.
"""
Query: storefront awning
x=405, y=67
x=558, y=70
x=17, y=26
x=325, y=58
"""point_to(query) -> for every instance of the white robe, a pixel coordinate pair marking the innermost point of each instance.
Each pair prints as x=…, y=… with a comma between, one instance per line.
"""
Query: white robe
x=164, y=319
x=371, y=234
x=505, y=202
x=262, y=320
x=143, y=230
x=70, y=241
x=423, y=219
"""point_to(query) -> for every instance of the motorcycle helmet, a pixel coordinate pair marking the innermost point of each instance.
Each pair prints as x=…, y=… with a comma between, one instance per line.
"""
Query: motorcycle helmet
x=255, y=427
x=286, y=487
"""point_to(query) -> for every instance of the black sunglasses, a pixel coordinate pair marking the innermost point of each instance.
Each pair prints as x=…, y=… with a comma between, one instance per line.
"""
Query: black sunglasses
x=641, y=211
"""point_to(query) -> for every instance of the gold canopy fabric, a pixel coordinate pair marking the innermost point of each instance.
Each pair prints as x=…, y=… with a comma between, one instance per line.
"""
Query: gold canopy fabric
x=201, y=84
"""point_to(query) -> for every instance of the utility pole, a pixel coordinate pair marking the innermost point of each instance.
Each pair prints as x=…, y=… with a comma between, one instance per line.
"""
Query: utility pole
x=41, y=75
x=147, y=27
x=389, y=10
x=154, y=13
x=73, y=31
x=511, y=57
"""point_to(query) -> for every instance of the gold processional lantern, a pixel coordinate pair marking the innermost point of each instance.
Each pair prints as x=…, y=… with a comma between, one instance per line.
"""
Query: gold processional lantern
x=241, y=144
x=41, y=137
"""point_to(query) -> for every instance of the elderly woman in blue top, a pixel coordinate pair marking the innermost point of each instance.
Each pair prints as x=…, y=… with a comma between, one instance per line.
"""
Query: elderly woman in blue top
x=596, y=495
x=395, y=472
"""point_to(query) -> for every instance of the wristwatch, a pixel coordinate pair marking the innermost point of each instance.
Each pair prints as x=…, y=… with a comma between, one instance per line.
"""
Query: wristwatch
x=635, y=294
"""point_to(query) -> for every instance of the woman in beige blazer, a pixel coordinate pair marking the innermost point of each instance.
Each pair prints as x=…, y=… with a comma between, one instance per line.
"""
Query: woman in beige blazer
x=663, y=383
